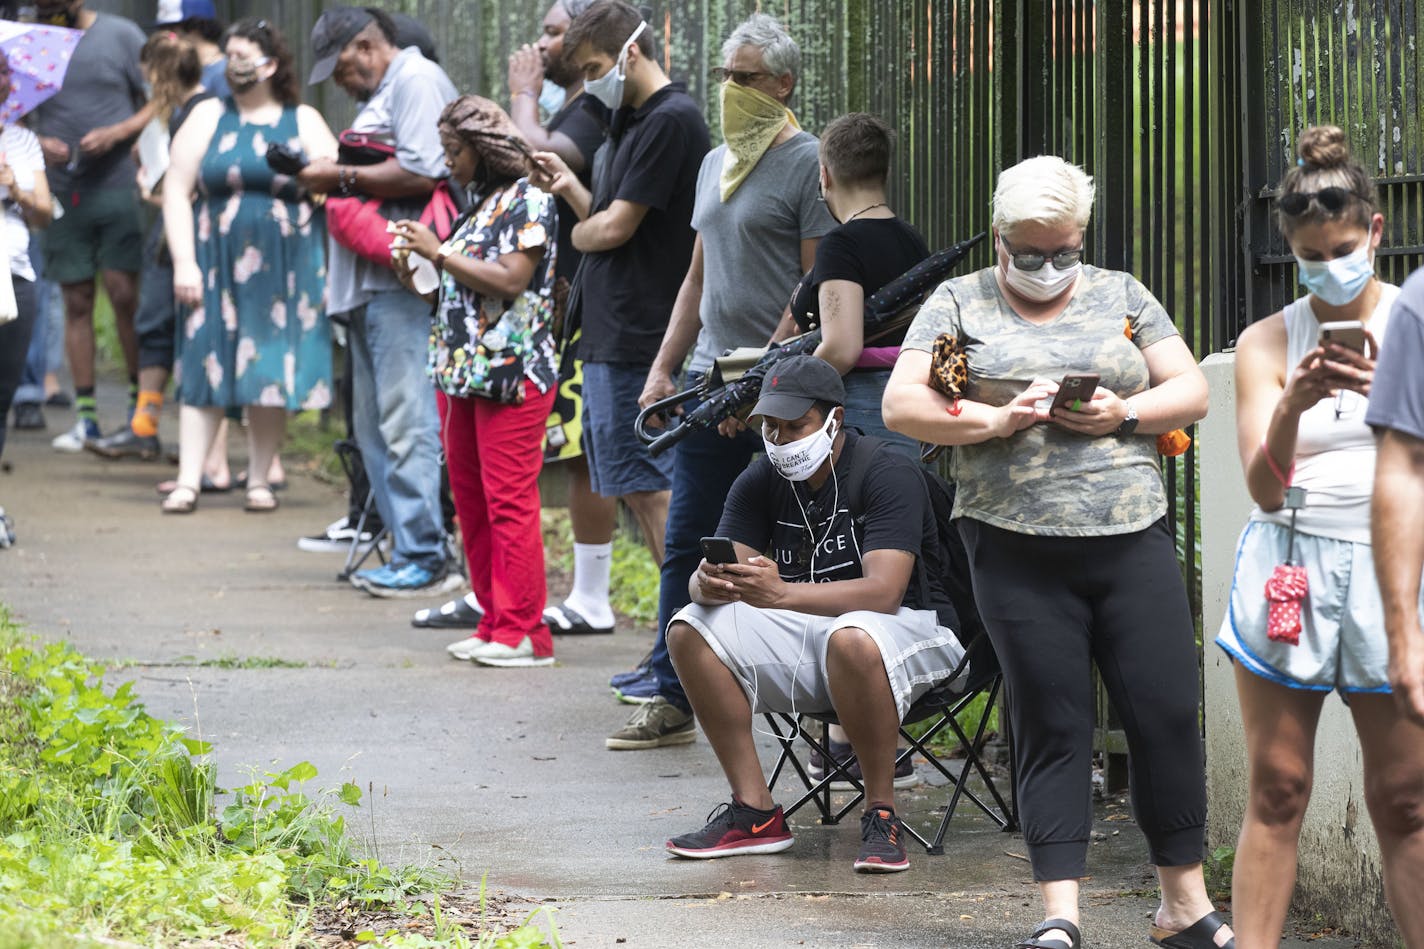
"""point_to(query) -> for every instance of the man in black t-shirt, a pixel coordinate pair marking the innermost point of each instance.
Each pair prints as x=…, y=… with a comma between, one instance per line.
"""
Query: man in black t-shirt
x=821, y=611
x=542, y=76
x=635, y=231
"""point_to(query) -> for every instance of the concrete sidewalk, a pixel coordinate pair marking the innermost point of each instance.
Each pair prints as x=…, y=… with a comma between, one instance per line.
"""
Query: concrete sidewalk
x=503, y=771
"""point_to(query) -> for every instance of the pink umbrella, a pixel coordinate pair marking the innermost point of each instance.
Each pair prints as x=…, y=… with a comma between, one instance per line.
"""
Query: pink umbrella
x=39, y=56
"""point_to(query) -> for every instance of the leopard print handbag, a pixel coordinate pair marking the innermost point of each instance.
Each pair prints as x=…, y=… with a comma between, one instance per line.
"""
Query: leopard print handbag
x=949, y=366
x=949, y=375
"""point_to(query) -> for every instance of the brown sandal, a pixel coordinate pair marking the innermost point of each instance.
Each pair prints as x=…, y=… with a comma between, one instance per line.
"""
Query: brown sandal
x=181, y=500
x=260, y=500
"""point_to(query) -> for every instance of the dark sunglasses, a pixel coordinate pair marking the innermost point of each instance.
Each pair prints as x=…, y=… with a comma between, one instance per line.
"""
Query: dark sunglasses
x=1062, y=260
x=740, y=77
x=1332, y=200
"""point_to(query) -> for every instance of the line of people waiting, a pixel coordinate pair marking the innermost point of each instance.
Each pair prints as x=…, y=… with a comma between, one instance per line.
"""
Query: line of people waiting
x=592, y=252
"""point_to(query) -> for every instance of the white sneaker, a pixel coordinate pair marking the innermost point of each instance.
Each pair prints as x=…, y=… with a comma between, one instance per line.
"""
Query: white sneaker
x=464, y=648
x=72, y=441
x=500, y=655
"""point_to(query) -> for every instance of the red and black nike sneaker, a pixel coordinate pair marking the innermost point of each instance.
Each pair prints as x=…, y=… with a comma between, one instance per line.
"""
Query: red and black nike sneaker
x=734, y=829
x=882, y=844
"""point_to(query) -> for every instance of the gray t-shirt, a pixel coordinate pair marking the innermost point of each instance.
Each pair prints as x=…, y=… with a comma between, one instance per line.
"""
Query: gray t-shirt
x=751, y=243
x=1047, y=480
x=102, y=86
x=1397, y=393
x=406, y=106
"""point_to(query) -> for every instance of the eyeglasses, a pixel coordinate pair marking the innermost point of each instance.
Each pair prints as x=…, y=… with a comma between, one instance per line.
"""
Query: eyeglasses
x=1030, y=262
x=739, y=76
x=1333, y=200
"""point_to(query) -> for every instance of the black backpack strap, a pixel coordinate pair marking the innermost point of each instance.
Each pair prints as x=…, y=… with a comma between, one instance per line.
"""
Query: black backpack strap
x=865, y=450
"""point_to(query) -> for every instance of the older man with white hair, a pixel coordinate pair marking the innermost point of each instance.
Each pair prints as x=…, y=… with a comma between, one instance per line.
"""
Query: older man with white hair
x=758, y=219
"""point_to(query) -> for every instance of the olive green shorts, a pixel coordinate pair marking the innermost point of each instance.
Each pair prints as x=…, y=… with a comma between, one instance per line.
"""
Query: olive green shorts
x=100, y=230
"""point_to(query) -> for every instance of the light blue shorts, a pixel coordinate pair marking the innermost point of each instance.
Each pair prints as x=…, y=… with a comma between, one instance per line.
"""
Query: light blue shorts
x=1342, y=638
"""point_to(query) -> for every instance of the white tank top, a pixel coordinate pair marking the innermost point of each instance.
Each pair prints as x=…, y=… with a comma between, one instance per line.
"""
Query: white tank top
x=1334, y=448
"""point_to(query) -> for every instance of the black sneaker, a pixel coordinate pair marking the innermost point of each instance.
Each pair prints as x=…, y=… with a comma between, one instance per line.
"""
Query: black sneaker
x=882, y=844
x=905, y=776
x=125, y=444
x=29, y=417
x=733, y=829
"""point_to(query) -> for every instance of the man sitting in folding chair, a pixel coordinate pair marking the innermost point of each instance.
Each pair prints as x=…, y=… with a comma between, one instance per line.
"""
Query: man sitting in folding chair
x=821, y=610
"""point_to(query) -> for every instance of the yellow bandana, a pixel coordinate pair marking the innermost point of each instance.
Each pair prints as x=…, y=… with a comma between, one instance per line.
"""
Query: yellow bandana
x=751, y=120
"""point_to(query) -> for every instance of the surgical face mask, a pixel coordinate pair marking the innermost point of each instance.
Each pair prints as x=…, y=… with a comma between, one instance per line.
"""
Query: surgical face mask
x=608, y=88
x=1043, y=284
x=242, y=74
x=551, y=97
x=800, y=459
x=1338, y=281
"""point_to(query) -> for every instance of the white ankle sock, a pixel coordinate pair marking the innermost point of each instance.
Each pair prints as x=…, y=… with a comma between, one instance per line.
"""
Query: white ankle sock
x=474, y=601
x=592, y=564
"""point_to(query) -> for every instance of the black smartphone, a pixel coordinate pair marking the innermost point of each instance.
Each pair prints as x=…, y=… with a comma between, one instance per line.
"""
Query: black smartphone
x=1074, y=387
x=719, y=550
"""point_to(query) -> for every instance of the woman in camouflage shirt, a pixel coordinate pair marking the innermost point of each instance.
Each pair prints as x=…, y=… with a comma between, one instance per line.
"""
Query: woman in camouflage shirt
x=1064, y=515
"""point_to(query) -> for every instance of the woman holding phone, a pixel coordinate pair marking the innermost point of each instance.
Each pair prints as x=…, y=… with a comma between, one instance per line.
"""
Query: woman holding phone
x=1063, y=513
x=1302, y=385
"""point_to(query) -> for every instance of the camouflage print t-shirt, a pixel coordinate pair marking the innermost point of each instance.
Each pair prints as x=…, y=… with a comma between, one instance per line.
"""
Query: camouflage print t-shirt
x=1047, y=480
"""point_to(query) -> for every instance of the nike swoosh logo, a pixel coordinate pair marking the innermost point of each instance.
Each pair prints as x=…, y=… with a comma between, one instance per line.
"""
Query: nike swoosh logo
x=758, y=828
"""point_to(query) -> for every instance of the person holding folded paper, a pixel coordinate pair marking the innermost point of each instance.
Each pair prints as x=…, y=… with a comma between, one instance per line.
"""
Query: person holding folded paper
x=492, y=359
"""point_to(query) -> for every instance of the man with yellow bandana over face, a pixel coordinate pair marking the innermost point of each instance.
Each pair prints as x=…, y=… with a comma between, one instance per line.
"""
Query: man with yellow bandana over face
x=758, y=219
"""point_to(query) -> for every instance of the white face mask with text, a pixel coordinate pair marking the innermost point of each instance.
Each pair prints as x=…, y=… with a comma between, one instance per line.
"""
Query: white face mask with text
x=798, y=460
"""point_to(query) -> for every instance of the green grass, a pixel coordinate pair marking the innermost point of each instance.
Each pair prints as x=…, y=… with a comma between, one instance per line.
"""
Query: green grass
x=112, y=827
x=309, y=446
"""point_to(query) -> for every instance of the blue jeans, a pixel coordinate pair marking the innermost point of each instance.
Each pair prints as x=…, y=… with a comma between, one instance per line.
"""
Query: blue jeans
x=46, y=352
x=704, y=466
x=397, y=425
x=864, y=391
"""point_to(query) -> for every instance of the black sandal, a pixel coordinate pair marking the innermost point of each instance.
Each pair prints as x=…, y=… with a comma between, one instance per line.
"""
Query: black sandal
x=1048, y=925
x=1199, y=935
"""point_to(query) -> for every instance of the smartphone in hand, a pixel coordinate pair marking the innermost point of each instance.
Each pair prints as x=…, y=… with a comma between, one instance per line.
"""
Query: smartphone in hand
x=1347, y=333
x=719, y=550
x=1074, y=387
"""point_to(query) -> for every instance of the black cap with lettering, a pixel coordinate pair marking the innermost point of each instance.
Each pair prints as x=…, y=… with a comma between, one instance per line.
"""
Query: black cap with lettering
x=333, y=30
x=796, y=383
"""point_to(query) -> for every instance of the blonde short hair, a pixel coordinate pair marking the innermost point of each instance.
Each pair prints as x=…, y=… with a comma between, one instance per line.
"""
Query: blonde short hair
x=1042, y=190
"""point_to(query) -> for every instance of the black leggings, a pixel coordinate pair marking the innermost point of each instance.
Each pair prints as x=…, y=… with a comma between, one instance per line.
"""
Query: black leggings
x=14, y=346
x=1051, y=606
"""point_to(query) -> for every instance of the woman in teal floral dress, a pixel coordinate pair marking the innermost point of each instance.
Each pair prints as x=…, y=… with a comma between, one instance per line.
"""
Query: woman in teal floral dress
x=492, y=359
x=256, y=334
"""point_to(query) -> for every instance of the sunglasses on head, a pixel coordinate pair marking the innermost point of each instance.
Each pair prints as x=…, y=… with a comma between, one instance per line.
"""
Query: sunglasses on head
x=1332, y=200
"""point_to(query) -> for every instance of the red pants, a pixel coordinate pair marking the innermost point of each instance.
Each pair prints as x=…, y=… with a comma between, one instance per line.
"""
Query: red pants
x=494, y=453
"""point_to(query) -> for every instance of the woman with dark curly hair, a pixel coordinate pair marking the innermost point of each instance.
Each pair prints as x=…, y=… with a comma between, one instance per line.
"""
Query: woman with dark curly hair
x=492, y=359
x=256, y=335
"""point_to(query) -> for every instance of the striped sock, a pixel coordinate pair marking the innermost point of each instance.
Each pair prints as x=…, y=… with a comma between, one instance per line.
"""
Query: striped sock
x=84, y=405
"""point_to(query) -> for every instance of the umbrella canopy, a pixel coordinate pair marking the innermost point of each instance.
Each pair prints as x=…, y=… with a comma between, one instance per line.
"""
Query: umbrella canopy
x=39, y=56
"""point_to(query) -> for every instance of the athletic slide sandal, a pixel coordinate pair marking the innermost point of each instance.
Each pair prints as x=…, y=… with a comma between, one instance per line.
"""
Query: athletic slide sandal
x=564, y=620
x=1199, y=935
x=459, y=613
x=1034, y=942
